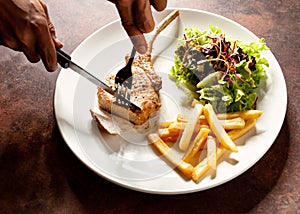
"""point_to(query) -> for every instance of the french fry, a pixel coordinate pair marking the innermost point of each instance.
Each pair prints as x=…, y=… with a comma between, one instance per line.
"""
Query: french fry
x=176, y=127
x=163, y=132
x=202, y=120
x=195, y=146
x=246, y=114
x=235, y=134
x=170, y=139
x=165, y=124
x=185, y=168
x=202, y=128
x=211, y=152
x=217, y=128
x=228, y=115
x=234, y=123
x=189, y=129
x=202, y=123
x=198, y=127
x=166, y=136
x=251, y=114
x=203, y=166
x=182, y=118
x=230, y=122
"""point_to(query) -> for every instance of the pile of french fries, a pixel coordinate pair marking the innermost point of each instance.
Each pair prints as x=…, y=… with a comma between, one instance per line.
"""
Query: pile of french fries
x=202, y=138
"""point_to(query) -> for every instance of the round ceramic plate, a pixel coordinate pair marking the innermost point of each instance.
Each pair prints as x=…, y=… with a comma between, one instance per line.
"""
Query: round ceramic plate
x=128, y=160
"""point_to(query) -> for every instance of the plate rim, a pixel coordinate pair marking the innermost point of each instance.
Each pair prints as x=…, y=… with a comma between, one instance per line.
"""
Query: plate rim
x=85, y=160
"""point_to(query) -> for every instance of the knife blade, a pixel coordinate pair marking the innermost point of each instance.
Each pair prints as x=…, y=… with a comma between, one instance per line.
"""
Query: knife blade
x=65, y=61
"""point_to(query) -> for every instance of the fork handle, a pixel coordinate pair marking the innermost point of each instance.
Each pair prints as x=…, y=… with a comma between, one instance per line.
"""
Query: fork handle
x=133, y=51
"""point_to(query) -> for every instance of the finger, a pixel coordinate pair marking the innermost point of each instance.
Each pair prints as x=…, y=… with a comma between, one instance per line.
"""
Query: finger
x=127, y=19
x=143, y=16
x=159, y=5
x=139, y=43
x=46, y=45
x=27, y=40
x=31, y=54
x=57, y=42
x=19, y=40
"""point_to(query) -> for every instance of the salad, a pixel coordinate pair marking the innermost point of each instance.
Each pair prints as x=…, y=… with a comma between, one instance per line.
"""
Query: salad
x=217, y=70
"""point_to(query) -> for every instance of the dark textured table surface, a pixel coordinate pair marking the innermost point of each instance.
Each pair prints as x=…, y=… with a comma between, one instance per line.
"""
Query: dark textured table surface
x=40, y=174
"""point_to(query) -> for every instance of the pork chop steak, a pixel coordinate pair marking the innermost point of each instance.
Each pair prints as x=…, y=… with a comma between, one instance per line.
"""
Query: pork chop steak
x=145, y=86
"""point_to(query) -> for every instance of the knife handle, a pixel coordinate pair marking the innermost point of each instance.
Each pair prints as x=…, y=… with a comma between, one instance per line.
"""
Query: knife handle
x=63, y=58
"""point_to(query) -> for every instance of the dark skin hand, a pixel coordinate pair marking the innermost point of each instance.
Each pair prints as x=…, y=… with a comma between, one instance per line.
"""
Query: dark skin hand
x=25, y=26
x=137, y=19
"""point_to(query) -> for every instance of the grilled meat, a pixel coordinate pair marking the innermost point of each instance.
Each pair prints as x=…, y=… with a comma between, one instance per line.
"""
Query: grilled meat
x=145, y=86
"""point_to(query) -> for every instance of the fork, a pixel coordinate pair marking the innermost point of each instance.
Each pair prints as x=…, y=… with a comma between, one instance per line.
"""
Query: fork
x=65, y=61
x=123, y=83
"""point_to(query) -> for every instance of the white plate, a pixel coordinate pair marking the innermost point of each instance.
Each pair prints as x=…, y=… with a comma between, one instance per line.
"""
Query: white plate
x=134, y=165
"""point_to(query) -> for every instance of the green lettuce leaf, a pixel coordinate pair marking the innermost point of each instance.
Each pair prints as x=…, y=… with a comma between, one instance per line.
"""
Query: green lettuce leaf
x=235, y=89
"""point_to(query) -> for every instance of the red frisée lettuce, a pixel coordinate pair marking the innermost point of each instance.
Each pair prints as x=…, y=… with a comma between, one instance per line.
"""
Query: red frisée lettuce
x=218, y=70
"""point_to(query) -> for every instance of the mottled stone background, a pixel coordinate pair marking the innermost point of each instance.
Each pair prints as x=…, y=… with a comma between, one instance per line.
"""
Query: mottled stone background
x=40, y=174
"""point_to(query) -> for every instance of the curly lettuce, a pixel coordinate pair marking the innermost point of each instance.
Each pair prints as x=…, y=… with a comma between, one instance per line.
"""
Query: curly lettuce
x=220, y=71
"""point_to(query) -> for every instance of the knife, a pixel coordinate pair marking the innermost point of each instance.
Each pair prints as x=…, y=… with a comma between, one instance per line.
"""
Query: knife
x=65, y=61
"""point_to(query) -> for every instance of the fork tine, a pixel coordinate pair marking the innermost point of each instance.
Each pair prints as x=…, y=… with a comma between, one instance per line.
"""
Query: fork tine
x=125, y=103
x=123, y=83
x=123, y=100
x=124, y=91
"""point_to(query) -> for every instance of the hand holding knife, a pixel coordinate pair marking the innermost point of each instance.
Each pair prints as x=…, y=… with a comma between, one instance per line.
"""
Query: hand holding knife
x=65, y=61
